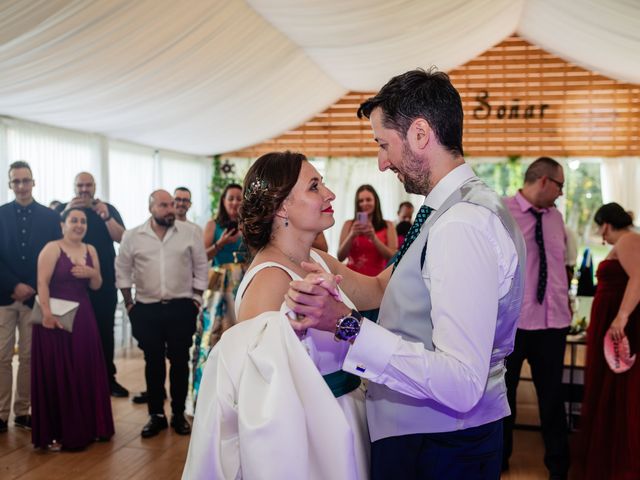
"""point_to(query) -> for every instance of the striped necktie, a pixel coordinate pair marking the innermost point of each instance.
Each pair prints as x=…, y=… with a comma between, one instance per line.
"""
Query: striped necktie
x=542, y=271
x=421, y=217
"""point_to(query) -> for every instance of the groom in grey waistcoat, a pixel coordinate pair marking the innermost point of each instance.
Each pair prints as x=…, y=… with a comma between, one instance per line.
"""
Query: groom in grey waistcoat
x=435, y=362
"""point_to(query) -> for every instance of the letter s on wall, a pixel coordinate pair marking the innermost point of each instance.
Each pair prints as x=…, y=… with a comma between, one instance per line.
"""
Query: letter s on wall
x=482, y=98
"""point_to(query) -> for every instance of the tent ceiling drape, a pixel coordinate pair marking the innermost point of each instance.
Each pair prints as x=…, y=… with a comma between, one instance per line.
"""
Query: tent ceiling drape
x=209, y=76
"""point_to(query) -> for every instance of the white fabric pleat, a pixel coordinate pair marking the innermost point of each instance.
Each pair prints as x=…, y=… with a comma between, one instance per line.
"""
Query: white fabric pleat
x=209, y=76
x=264, y=411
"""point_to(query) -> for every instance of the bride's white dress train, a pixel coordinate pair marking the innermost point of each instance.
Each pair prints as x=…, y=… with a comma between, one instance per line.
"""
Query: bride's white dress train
x=264, y=410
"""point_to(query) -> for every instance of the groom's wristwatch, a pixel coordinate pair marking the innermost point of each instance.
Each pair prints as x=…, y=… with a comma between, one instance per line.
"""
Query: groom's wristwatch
x=348, y=327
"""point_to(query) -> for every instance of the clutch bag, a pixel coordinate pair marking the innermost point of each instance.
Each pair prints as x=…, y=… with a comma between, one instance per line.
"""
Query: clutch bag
x=64, y=311
x=618, y=354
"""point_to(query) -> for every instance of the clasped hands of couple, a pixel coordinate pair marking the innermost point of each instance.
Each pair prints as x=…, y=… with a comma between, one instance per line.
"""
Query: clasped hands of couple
x=316, y=300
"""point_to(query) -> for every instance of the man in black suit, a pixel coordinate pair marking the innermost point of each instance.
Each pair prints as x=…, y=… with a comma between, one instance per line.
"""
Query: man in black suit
x=104, y=226
x=25, y=228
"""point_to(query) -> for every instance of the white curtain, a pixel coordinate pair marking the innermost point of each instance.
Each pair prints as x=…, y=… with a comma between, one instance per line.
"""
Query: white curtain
x=55, y=156
x=202, y=76
x=209, y=76
x=363, y=43
x=620, y=179
x=136, y=171
x=600, y=35
x=125, y=173
x=132, y=177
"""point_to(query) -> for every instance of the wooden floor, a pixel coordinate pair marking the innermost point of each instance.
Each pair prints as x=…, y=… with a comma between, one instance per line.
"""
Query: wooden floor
x=128, y=456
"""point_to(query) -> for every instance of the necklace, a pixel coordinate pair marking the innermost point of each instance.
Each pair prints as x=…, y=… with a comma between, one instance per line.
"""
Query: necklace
x=290, y=257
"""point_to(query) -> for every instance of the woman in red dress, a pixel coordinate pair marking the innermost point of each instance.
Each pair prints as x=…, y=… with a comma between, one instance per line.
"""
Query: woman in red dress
x=368, y=241
x=611, y=409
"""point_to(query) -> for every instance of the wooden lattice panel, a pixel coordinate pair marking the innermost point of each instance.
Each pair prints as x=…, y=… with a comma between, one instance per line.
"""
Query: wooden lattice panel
x=518, y=100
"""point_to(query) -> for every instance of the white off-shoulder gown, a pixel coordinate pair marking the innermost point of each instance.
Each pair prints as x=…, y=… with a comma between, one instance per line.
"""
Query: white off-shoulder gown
x=265, y=412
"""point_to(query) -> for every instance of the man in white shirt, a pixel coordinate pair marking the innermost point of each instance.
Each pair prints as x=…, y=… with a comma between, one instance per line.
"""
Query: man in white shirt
x=166, y=262
x=182, y=204
x=435, y=362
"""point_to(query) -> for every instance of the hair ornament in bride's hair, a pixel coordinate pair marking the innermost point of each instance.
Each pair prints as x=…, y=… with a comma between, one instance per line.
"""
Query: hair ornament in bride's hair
x=257, y=187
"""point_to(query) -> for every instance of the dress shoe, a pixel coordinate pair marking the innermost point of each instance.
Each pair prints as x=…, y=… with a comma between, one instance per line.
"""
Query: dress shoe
x=118, y=390
x=154, y=425
x=54, y=446
x=141, y=398
x=3, y=426
x=23, y=421
x=180, y=424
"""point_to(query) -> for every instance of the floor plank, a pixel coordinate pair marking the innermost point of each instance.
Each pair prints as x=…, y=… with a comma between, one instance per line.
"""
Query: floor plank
x=128, y=456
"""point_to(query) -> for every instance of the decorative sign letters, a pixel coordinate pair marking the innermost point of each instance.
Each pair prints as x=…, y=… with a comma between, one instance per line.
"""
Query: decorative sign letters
x=512, y=110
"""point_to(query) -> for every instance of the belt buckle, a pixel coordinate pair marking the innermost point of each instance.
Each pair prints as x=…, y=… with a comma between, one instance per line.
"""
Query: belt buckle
x=165, y=302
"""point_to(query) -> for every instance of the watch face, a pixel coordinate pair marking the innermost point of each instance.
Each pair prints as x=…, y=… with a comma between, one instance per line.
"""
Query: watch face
x=348, y=329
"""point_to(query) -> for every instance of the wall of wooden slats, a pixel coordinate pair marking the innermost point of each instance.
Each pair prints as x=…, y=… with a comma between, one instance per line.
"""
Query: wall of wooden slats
x=584, y=113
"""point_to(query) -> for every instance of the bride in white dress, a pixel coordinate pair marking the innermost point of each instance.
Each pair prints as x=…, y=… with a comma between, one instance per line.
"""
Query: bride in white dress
x=273, y=406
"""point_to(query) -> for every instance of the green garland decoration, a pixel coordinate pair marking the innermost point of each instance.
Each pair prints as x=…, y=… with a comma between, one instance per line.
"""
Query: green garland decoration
x=222, y=174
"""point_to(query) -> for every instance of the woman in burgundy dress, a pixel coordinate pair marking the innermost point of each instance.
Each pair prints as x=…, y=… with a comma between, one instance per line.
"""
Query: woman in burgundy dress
x=70, y=401
x=611, y=409
x=368, y=241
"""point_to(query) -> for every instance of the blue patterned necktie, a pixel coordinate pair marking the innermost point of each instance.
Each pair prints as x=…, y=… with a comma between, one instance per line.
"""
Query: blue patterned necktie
x=421, y=217
x=542, y=272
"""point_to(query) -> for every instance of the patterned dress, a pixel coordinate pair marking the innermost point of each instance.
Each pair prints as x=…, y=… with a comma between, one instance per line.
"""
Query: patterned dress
x=218, y=314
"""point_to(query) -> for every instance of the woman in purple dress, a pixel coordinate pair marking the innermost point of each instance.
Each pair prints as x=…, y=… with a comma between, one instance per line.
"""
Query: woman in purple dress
x=70, y=401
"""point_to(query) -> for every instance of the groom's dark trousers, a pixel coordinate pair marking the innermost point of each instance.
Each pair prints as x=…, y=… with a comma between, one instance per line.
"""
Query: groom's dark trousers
x=470, y=454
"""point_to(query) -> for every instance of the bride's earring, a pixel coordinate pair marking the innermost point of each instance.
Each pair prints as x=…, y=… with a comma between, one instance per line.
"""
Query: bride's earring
x=603, y=241
x=286, y=221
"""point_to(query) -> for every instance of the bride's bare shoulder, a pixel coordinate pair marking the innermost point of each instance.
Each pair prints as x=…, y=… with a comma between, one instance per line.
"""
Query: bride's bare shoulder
x=265, y=293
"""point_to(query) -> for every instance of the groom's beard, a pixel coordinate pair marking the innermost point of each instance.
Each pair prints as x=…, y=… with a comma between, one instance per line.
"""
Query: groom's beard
x=417, y=176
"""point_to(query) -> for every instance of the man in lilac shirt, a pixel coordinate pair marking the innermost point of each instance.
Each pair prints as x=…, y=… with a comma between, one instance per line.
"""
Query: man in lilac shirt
x=545, y=316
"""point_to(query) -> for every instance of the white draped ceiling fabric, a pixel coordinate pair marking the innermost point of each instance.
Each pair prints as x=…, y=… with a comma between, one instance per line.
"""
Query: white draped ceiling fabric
x=210, y=76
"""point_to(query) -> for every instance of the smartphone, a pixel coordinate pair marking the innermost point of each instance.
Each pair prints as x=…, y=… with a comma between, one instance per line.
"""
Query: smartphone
x=362, y=217
x=232, y=226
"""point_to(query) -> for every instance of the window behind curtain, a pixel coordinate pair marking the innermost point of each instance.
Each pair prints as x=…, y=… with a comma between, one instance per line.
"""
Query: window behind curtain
x=131, y=181
x=55, y=155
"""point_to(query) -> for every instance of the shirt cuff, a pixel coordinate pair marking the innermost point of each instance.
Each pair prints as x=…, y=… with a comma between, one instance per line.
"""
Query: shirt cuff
x=123, y=284
x=371, y=352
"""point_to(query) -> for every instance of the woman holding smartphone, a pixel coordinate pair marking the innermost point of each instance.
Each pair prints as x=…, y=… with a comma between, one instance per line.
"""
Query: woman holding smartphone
x=224, y=246
x=368, y=241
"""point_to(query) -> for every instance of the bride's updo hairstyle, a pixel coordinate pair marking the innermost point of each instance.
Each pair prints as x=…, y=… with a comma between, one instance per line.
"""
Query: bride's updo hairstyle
x=268, y=182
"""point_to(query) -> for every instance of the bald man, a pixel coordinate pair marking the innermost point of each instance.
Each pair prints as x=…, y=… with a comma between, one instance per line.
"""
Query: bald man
x=104, y=226
x=167, y=263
